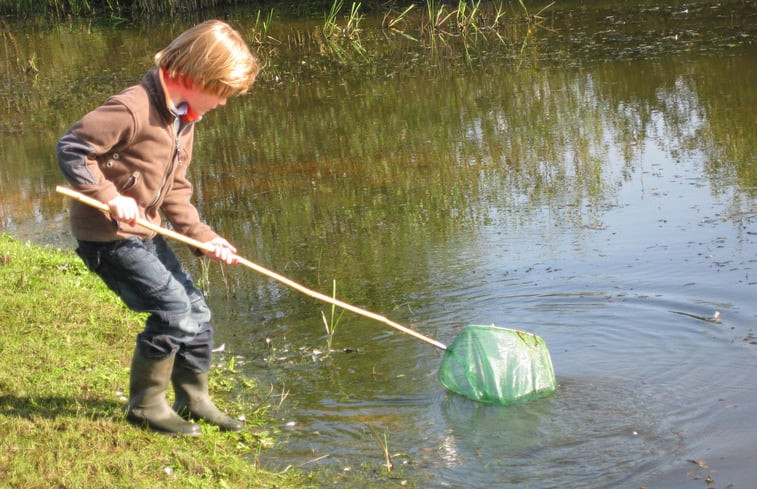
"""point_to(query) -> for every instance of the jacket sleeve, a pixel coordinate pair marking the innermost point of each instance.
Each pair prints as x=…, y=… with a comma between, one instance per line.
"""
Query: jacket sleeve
x=110, y=125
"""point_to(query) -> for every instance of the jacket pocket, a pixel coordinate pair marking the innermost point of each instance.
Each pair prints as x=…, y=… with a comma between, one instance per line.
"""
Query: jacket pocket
x=130, y=182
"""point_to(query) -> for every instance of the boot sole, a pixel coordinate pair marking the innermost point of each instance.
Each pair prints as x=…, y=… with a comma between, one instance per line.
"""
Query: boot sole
x=147, y=425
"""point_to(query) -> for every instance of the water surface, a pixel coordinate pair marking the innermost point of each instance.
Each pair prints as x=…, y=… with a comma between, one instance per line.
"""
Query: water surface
x=593, y=184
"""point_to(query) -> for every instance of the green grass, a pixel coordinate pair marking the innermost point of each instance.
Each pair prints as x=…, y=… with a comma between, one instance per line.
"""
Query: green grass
x=65, y=349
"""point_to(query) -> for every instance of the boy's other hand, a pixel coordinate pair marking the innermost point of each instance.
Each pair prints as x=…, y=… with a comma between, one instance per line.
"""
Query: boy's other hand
x=124, y=209
x=223, y=251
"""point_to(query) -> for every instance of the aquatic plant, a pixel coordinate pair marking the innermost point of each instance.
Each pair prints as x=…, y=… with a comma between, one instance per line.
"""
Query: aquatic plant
x=383, y=443
x=342, y=40
x=331, y=323
x=203, y=280
x=394, y=21
x=443, y=30
x=260, y=30
x=467, y=17
x=350, y=30
x=437, y=17
x=534, y=20
x=14, y=66
x=60, y=9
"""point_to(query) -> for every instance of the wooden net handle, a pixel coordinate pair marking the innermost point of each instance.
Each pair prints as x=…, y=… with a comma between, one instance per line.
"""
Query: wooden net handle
x=253, y=266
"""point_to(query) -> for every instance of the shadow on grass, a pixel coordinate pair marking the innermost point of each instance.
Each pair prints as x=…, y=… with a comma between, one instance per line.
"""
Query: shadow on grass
x=57, y=407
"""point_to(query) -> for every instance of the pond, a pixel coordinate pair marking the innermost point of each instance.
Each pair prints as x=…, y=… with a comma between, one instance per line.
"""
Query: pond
x=590, y=178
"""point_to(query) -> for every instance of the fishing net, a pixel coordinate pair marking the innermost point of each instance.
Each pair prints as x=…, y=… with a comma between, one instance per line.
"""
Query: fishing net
x=498, y=365
x=484, y=363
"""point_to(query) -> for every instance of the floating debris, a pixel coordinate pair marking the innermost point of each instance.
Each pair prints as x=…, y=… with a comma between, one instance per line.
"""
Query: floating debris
x=701, y=463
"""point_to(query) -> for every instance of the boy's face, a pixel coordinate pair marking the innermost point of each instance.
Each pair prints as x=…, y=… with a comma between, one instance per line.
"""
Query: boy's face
x=201, y=101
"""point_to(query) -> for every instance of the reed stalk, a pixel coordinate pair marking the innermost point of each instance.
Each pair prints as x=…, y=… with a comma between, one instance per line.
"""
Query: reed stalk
x=440, y=31
x=331, y=323
x=343, y=40
x=60, y=9
x=330, y=24
x=467, y=17
x=203, y=281
x=534, y=20
x=260, y=29
x=437, y=17
x=350, y=30
x=390, y=21
x=383, y=443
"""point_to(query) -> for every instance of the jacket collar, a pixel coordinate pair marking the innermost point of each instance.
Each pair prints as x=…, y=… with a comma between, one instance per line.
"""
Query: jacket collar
x=153, y=81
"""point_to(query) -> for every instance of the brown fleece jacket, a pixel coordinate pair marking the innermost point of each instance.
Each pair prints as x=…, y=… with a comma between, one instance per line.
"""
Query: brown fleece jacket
x=136, y=145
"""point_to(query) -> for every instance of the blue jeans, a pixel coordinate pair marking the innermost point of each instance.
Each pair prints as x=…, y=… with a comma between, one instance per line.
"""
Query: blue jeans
x=148, y=277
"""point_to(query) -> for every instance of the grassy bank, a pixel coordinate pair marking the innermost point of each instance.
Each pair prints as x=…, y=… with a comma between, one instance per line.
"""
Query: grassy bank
x=65, y=349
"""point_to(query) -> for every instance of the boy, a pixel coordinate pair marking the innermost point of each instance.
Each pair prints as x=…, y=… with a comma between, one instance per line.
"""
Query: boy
x=132, y=153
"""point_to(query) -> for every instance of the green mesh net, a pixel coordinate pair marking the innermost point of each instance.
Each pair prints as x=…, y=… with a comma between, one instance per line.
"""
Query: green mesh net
x=498, y=365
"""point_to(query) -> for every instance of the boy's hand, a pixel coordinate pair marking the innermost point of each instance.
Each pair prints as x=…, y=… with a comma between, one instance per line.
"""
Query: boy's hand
x=124, y=209
x=224, y=251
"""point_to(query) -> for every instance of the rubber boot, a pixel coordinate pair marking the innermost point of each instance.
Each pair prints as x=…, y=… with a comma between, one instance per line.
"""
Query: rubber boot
x=193, y=400
x=147, y=397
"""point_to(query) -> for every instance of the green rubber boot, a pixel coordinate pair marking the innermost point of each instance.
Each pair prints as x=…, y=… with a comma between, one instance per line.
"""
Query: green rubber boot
x=147, y=397
x=193, y=400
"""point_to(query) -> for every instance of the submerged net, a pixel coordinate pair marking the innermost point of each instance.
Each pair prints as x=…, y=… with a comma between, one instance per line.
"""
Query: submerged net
x=498, y=365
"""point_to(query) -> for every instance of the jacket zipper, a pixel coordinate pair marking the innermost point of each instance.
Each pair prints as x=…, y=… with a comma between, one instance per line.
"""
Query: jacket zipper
x=178, y=129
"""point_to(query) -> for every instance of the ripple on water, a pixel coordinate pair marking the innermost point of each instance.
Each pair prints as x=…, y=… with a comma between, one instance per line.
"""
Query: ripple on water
x=592, y=431
x=645, y=376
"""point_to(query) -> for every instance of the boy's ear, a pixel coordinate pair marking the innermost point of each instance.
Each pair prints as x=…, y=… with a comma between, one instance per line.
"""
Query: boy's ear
x=186, y=81
x=182, y=80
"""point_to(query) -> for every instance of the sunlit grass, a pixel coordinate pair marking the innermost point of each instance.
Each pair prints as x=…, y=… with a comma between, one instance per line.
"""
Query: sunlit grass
x=64, y=357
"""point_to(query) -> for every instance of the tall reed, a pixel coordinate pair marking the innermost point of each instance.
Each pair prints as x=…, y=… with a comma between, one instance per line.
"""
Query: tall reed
x=383, y=444
x=109, y=8
x=394, y=21
x=350, y=30
x=341, y=39
x=260, y=31
x=331, y=323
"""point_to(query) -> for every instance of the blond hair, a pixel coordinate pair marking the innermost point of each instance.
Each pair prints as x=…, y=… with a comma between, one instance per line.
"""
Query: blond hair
x=213, y=56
